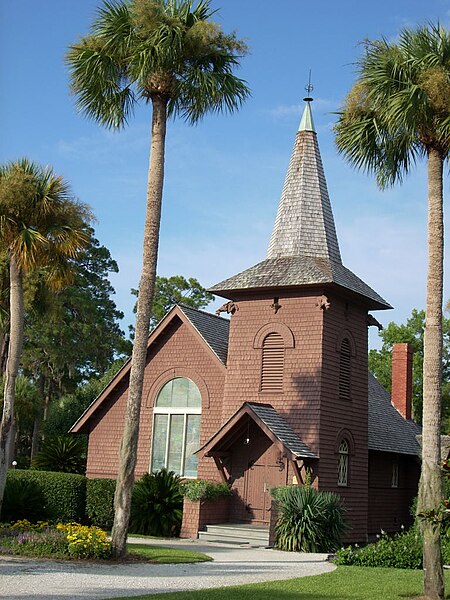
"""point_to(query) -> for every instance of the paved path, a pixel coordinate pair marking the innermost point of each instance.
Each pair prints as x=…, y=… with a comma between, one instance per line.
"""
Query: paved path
x=232, y=565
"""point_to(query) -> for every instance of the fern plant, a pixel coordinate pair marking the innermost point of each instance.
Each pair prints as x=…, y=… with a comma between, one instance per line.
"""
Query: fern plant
x=157, y=505
x=309, y=520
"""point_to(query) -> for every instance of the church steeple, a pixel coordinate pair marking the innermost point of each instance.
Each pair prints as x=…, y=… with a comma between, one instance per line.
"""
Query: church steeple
x=303, y=250
x=304, y=225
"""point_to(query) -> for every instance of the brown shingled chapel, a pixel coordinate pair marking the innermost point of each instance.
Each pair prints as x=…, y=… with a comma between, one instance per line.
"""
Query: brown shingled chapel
x=279, y=388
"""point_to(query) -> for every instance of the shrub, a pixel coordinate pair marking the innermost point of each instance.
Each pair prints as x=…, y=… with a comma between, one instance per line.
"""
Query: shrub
x=200, y=489
x=23, y=499
x=157, y=505
x=309, y=520
x=62, y=453
x=64, y=494
x=100, y=502
x=401, y=551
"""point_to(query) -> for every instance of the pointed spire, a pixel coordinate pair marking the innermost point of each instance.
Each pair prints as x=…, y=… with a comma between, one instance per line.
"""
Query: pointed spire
x=304, y=225
x=307, y=123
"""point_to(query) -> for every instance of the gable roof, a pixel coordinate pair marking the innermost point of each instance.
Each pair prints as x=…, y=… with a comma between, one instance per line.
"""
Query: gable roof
x=388, y=430
x=272, y=424
x=211, y=329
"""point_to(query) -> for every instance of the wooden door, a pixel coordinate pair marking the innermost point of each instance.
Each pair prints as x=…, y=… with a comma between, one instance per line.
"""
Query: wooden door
x=256, y=468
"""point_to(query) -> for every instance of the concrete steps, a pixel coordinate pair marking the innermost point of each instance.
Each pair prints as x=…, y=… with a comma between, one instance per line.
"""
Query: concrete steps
x=242, y=534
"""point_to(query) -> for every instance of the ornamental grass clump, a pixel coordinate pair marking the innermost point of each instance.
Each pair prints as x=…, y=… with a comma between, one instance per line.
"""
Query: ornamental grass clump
x=309, y=520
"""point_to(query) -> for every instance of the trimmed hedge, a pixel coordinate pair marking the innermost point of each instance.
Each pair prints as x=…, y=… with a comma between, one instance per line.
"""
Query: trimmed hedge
x=64, y=494
x=100, y=502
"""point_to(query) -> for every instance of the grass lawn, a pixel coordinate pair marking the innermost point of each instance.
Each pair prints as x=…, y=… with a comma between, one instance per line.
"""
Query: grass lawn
x=158, y=554
x=346, y=583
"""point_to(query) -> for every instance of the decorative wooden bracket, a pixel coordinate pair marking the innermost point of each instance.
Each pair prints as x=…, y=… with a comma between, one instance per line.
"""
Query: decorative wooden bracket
x=228, y=307
x=323, y=303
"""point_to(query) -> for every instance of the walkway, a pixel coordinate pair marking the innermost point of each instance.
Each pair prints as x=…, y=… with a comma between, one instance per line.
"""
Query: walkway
x=232, y=565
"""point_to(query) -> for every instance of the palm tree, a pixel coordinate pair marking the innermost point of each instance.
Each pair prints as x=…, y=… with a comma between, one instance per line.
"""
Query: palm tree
x=397, y=112
x=40, y=227
x=170, y=54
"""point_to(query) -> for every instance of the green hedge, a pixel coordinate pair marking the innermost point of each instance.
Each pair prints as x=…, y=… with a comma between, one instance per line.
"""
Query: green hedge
x=100, y=502
x=64, y=494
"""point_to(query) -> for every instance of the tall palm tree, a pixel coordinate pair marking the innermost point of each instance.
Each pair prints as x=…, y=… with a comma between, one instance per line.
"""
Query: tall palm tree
x=170, y=54
x=397, y=112
x=40, y=227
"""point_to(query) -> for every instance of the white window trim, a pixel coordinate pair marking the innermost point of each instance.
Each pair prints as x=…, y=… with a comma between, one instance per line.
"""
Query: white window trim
x=169, y=410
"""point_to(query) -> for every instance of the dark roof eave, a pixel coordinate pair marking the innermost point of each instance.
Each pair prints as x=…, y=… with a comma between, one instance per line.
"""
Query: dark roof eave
x=235, y=293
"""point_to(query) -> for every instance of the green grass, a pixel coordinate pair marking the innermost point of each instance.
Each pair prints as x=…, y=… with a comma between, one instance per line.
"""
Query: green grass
x=346, y=583
x=160, y=554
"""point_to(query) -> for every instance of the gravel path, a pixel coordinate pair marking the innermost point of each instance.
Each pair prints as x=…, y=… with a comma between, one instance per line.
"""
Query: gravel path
x=232, y=565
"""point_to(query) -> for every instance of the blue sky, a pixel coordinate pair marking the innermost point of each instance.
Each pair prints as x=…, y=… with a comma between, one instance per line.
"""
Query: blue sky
x=224, y=176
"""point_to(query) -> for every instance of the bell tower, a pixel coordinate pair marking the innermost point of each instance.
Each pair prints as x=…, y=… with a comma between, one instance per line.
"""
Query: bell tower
x=298, y=333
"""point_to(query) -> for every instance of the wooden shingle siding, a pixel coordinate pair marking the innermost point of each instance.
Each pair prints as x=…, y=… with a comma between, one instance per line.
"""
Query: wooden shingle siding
x=272, y=368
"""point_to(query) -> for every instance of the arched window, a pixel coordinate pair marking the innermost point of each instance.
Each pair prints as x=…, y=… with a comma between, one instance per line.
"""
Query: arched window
x=176, y=427
x=343, y=462
x=345, y=364
x=272, y=369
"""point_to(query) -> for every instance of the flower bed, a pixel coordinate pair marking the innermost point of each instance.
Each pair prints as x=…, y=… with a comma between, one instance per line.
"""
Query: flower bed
x=61, y=541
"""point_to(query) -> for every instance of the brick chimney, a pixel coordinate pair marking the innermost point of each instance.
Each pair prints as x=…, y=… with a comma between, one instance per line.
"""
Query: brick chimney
x=401, y=395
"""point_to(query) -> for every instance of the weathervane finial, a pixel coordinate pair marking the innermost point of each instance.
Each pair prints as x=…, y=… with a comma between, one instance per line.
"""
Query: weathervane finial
x=309, y=88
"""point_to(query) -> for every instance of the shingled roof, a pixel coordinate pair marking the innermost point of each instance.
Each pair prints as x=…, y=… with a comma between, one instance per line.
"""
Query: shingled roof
x=281, y=429
x=303, y=248
x=388, y=430
x=269, y=420
x=213, y=329
x=292, y=271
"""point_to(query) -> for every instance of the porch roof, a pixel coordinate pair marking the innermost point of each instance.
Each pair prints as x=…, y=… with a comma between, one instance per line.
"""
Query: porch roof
x=269, y=421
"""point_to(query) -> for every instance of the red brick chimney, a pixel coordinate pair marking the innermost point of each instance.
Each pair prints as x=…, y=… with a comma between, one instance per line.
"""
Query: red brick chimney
x=401, y=395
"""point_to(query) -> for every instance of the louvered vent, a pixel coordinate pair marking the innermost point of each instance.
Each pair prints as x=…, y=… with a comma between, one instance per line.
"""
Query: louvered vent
x=345, y=370
x=272, y=363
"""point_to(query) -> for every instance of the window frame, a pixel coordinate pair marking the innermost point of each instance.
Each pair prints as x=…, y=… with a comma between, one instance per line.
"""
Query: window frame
x=269, y=353
x=395, y=474
x=343, y=456
x=186, y=411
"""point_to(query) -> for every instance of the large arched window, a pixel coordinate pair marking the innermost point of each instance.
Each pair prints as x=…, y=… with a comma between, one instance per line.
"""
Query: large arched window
x=176, y=427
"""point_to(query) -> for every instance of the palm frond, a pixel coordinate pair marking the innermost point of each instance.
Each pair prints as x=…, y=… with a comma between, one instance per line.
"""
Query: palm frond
x=405, y=107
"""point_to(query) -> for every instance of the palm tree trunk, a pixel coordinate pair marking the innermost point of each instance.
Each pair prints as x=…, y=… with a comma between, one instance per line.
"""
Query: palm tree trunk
x=37, y=427
x=430, y=488
x=128, y=447
x=12, y=368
